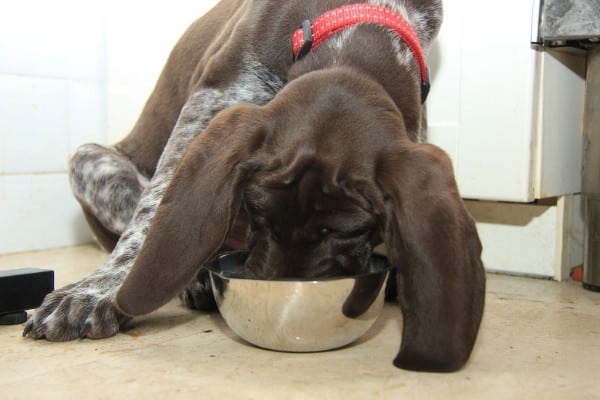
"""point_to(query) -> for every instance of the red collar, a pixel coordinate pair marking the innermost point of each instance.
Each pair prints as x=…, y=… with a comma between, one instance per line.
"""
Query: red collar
x=311, y=35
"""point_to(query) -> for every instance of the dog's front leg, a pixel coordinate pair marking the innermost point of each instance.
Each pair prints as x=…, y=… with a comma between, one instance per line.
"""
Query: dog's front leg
x=87, y=308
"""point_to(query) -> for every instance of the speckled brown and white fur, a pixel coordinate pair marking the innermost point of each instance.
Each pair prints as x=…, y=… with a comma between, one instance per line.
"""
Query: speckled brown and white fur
x=122, y=194
x=109, y=186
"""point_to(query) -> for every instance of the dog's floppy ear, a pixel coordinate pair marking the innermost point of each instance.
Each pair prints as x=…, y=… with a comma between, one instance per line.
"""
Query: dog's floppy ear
x=432, y=241
x=196, y=211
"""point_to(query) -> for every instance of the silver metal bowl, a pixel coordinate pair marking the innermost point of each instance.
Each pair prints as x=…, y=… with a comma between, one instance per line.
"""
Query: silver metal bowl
x=298, y=315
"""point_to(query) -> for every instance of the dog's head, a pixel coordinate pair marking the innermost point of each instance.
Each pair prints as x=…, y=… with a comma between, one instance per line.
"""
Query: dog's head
x=304, y=224
x=323, y=173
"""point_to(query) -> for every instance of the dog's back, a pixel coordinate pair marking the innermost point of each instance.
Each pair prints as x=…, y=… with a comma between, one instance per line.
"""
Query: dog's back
x=184, y=67
x=224, y=37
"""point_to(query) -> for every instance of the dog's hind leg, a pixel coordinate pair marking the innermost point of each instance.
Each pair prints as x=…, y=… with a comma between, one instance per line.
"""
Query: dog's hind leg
x=108, y=186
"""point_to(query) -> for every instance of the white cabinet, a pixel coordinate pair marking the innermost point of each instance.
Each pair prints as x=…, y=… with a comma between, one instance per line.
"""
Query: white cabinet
x=509, y=115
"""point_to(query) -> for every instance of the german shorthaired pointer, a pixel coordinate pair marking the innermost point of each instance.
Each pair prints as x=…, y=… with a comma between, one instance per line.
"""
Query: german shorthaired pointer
x=302, y=141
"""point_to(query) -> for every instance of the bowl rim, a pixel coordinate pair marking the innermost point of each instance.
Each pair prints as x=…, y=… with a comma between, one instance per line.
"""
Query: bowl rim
x=379, y=264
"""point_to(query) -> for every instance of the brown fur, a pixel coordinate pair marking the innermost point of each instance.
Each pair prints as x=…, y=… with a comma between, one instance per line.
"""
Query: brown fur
x=361, y=178
x=321, y=174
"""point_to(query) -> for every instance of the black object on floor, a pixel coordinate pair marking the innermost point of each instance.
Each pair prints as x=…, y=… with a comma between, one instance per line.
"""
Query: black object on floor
x=13, y=318
x=22, y=289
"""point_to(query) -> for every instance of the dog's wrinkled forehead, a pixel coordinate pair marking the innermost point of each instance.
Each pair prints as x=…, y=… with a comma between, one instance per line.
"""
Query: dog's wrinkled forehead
x=306, y=197
x=302, y=188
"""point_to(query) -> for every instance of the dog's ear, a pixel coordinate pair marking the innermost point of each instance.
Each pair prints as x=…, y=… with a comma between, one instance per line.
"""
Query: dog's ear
x=432, y=241
x=196, y=211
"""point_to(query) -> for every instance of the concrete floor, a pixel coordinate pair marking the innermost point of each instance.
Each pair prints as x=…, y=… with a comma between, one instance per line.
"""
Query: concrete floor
x=539, y=340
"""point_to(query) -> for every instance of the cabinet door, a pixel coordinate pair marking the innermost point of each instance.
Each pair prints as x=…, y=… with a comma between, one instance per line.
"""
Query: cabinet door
x=481, y=107
x=559, y=133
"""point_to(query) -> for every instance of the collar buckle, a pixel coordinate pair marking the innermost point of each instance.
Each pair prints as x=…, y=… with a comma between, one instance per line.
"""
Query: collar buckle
x=425, y=86
x=308, y=40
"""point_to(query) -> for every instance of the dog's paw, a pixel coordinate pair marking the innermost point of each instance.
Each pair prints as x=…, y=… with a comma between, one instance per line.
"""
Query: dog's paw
x=74, y=312
x=198, y=295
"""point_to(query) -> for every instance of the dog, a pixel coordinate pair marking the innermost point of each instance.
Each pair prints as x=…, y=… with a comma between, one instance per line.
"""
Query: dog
x=270, y=130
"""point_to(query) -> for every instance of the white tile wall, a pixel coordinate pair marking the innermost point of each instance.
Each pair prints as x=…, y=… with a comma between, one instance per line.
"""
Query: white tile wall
x=34, y=124
x=54, y=80
x=87, y=113
x=52, y=98
x=135, y=57
x=38, y=211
